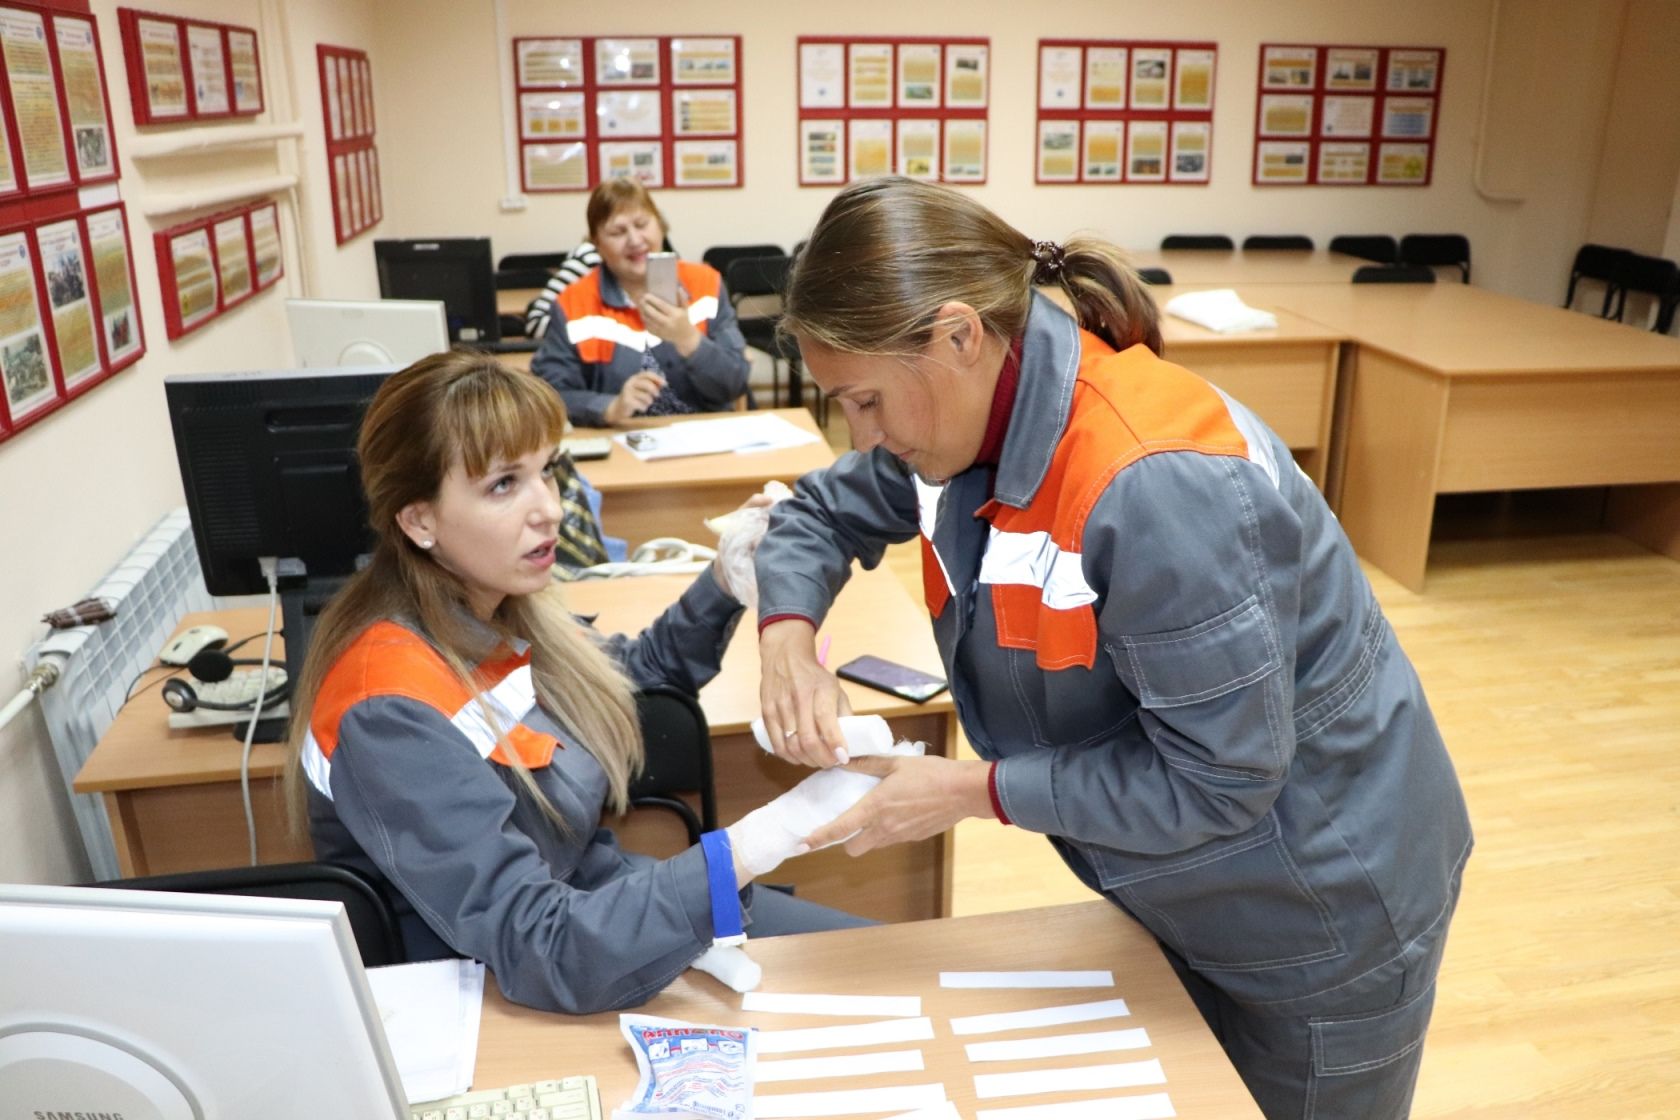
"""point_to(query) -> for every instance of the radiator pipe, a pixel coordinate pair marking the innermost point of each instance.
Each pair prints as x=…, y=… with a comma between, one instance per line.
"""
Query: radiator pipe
x=42, y=677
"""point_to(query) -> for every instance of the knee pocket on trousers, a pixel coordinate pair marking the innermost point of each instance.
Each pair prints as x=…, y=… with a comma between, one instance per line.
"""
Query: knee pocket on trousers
x=1361, y=1043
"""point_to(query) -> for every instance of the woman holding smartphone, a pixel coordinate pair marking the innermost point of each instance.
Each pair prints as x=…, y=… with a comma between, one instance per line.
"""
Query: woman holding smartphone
x=642, y=334
x=1158, y=640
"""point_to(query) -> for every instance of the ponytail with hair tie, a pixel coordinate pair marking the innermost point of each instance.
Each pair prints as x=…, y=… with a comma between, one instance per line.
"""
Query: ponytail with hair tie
x=1048, y=254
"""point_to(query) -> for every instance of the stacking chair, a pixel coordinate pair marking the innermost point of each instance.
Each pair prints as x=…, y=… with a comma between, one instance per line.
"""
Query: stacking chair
x=1596, y=262
x=1656, y=277
x=1379, y=247
x=720, y=256
x=1278, y=241
x=679, y=759
x=1394, y=274
x=1197, y=241
x=1437, y=249
x=761, y=280
x=372, y=919
x=1155, y=276
x=546, y=261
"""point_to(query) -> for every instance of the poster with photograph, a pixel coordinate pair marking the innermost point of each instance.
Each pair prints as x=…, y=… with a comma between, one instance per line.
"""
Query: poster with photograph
x=24, y=362
x=918, y=149
x=1348, y=116
x=341, y=196
x=1344, y=163
x=702, y=61
x=1286, y=115
x=1192, y=142
x=707, y=163
x=821, y=143
x=641, y=160
x=621, y=113
x=627, y=62
x=1408, y=117
x=84, y=95
x=347, y=97
x=337, y=126
x=551, y=116
x=556, y=167
x=29, y=72
x=1289, y=68
x=1060, y=71
x=919, y=80
x=1403, y=164
x=967, y=76
x=1058, y=151
x=550, y=63
x=703, y=112
x=1193, y=85
x=8, y=173
x=166, y=74
x=1281, y=162
x=265, y=245
x=965, y=151
x=365, y=69
x=108, y=243
x=195, y=277
x=247, y=75
x=1151, y=75
x=1350, y=68
x=1106, y=71
x=822, y=76
x=869, y=69
x=1414, y=71
x=64, y=264
x=1146, y=152
x=1104, y=149
x=208, y=66
x=870, y=148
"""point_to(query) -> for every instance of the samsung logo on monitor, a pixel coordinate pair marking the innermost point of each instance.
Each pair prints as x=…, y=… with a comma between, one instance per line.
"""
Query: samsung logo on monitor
x=78, y=1115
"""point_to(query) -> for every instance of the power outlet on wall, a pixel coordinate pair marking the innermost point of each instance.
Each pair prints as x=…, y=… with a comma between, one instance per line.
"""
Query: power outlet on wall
x=512, y=204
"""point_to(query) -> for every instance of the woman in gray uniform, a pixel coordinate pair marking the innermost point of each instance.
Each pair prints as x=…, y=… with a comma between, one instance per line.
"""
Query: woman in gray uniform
x=1158, y=639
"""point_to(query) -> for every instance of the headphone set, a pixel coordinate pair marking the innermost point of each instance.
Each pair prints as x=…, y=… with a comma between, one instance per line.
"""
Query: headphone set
x=211, y=666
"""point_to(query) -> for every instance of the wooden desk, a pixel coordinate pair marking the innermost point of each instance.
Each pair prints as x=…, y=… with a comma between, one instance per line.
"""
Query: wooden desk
x=514, y=301
x=519, y=1045
x=671, y=497
x=174, y=802
x=1256, y=266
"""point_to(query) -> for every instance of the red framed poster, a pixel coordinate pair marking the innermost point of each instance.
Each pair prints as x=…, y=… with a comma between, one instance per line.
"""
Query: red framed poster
x=184, y=70
x=663, y=109
x=352, y=154
x=876, y=105
x=1348, y=116
x=210, y=265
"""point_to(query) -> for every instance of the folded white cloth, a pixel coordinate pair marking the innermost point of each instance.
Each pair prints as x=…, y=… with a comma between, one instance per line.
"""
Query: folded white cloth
x=1220, y=309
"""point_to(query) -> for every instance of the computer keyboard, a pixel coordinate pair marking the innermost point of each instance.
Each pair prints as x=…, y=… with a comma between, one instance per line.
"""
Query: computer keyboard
x=239, y=692
x=565, y=1098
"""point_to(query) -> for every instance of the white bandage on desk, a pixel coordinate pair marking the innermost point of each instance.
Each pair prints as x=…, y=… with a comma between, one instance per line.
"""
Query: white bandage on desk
x=732, y=967
x=1220, y=309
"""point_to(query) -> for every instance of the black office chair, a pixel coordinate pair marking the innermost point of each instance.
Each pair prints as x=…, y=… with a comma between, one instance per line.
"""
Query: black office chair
x=1154, y=276
x=679, y=758
x=1656, y=277
x=1595, y=262
x=1197, y=241
x=532, y=260
x=1437, y=249
x=762, y=278
x=1393, y=274
x=372, y=919
x=1379, y=247
x=1278, y=241
x=720, y=256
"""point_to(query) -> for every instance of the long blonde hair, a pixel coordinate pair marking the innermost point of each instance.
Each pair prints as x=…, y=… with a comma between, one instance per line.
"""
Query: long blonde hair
x=889, y=252
x=465, y=408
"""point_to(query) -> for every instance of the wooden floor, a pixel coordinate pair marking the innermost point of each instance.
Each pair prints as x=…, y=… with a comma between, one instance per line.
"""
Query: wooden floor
x=1553, y=665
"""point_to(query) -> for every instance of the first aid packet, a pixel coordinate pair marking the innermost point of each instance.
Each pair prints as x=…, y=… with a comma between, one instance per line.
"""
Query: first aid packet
x=688, y=1069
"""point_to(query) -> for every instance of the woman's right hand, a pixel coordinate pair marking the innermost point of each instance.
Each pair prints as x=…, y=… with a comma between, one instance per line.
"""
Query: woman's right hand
x=637, y=393
x=801, y=700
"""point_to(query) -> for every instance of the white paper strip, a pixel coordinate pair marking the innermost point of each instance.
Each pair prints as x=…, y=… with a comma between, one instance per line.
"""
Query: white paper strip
x=1120, y=1075
x=1152, y=1106
x=844, y=1065
x=946, y=1111
x=857, y=1034
x=1058, y=1045
x=847, y=1101
x=1040, y=1017
x=804, y=1004
x=1048, y=979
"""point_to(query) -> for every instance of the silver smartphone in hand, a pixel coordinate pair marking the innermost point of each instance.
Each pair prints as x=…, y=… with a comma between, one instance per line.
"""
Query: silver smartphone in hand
x=662, y=277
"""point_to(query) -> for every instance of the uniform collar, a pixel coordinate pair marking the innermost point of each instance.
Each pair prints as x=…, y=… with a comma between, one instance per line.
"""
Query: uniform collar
x=1043, y=399
x=612, y=292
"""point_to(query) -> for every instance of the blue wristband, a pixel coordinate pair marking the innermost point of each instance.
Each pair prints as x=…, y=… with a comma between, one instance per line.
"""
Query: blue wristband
x=726, y=898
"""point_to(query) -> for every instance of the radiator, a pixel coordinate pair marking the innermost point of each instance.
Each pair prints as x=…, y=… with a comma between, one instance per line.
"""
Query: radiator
x=152, y=587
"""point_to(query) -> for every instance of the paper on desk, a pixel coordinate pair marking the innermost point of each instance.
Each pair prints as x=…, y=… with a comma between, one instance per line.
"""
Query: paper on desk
x=761, y=432
x=1220, y=309
x=430, y=1010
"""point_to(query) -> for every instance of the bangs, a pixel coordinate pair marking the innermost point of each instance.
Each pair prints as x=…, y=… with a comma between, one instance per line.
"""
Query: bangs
x=496, y=415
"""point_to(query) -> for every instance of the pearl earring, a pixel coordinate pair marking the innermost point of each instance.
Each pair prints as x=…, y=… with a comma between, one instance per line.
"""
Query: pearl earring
x=427, y=543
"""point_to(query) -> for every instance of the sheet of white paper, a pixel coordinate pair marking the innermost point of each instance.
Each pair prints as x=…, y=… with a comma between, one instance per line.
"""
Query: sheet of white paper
x=1040, y=1017
x=831, y=1038
x=1058, y=1045
x=946, y=1111
x=1118, y=1075
x=741, y=434
x=795, y=1003
x=1221, y=310
x=430, y=1011
x=1150, y=1106
x=1101, y=978
x=844, y=1102
x=842, y=1065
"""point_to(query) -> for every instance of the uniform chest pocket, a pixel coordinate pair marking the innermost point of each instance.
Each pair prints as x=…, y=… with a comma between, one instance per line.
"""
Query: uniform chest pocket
x=1205, y=661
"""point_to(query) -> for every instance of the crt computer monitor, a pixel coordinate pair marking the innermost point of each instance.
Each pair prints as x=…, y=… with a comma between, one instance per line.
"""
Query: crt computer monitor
x=329, y=333
x=155, y=1006
x=456, y=270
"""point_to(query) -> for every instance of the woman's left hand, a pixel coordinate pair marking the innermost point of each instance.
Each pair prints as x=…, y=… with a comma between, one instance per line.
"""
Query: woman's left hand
x=918, y=797
x=669, y=322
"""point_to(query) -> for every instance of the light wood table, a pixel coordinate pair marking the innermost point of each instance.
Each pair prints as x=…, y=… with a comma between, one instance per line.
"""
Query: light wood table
x=517, y=1044
x=1227, y=267
x=671, y=497
x=514, y=301
x=174, y=803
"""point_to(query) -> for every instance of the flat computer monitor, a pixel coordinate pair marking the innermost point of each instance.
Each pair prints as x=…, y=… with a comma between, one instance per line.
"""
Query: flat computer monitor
x=330, y=333
x=151, y=1006
x=456, y=270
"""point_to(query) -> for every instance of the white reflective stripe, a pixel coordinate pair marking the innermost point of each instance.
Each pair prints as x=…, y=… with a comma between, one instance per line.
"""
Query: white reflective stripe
x=927, y=504
x=316, y=767
x=706, y=307
x=1259, y=447
x=600, y=326
x=511, y=700
x=1034, y=560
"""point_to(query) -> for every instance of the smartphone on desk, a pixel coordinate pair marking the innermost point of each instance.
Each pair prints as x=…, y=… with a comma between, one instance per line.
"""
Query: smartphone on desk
x=662, y=277
x=891, y=677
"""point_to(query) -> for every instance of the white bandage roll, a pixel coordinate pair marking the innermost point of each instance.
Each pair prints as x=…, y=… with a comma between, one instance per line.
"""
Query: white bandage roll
x=865, y=735
x=730, y=966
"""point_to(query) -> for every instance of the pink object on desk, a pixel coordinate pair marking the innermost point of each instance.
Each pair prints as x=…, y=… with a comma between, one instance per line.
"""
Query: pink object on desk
x=822, y=654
